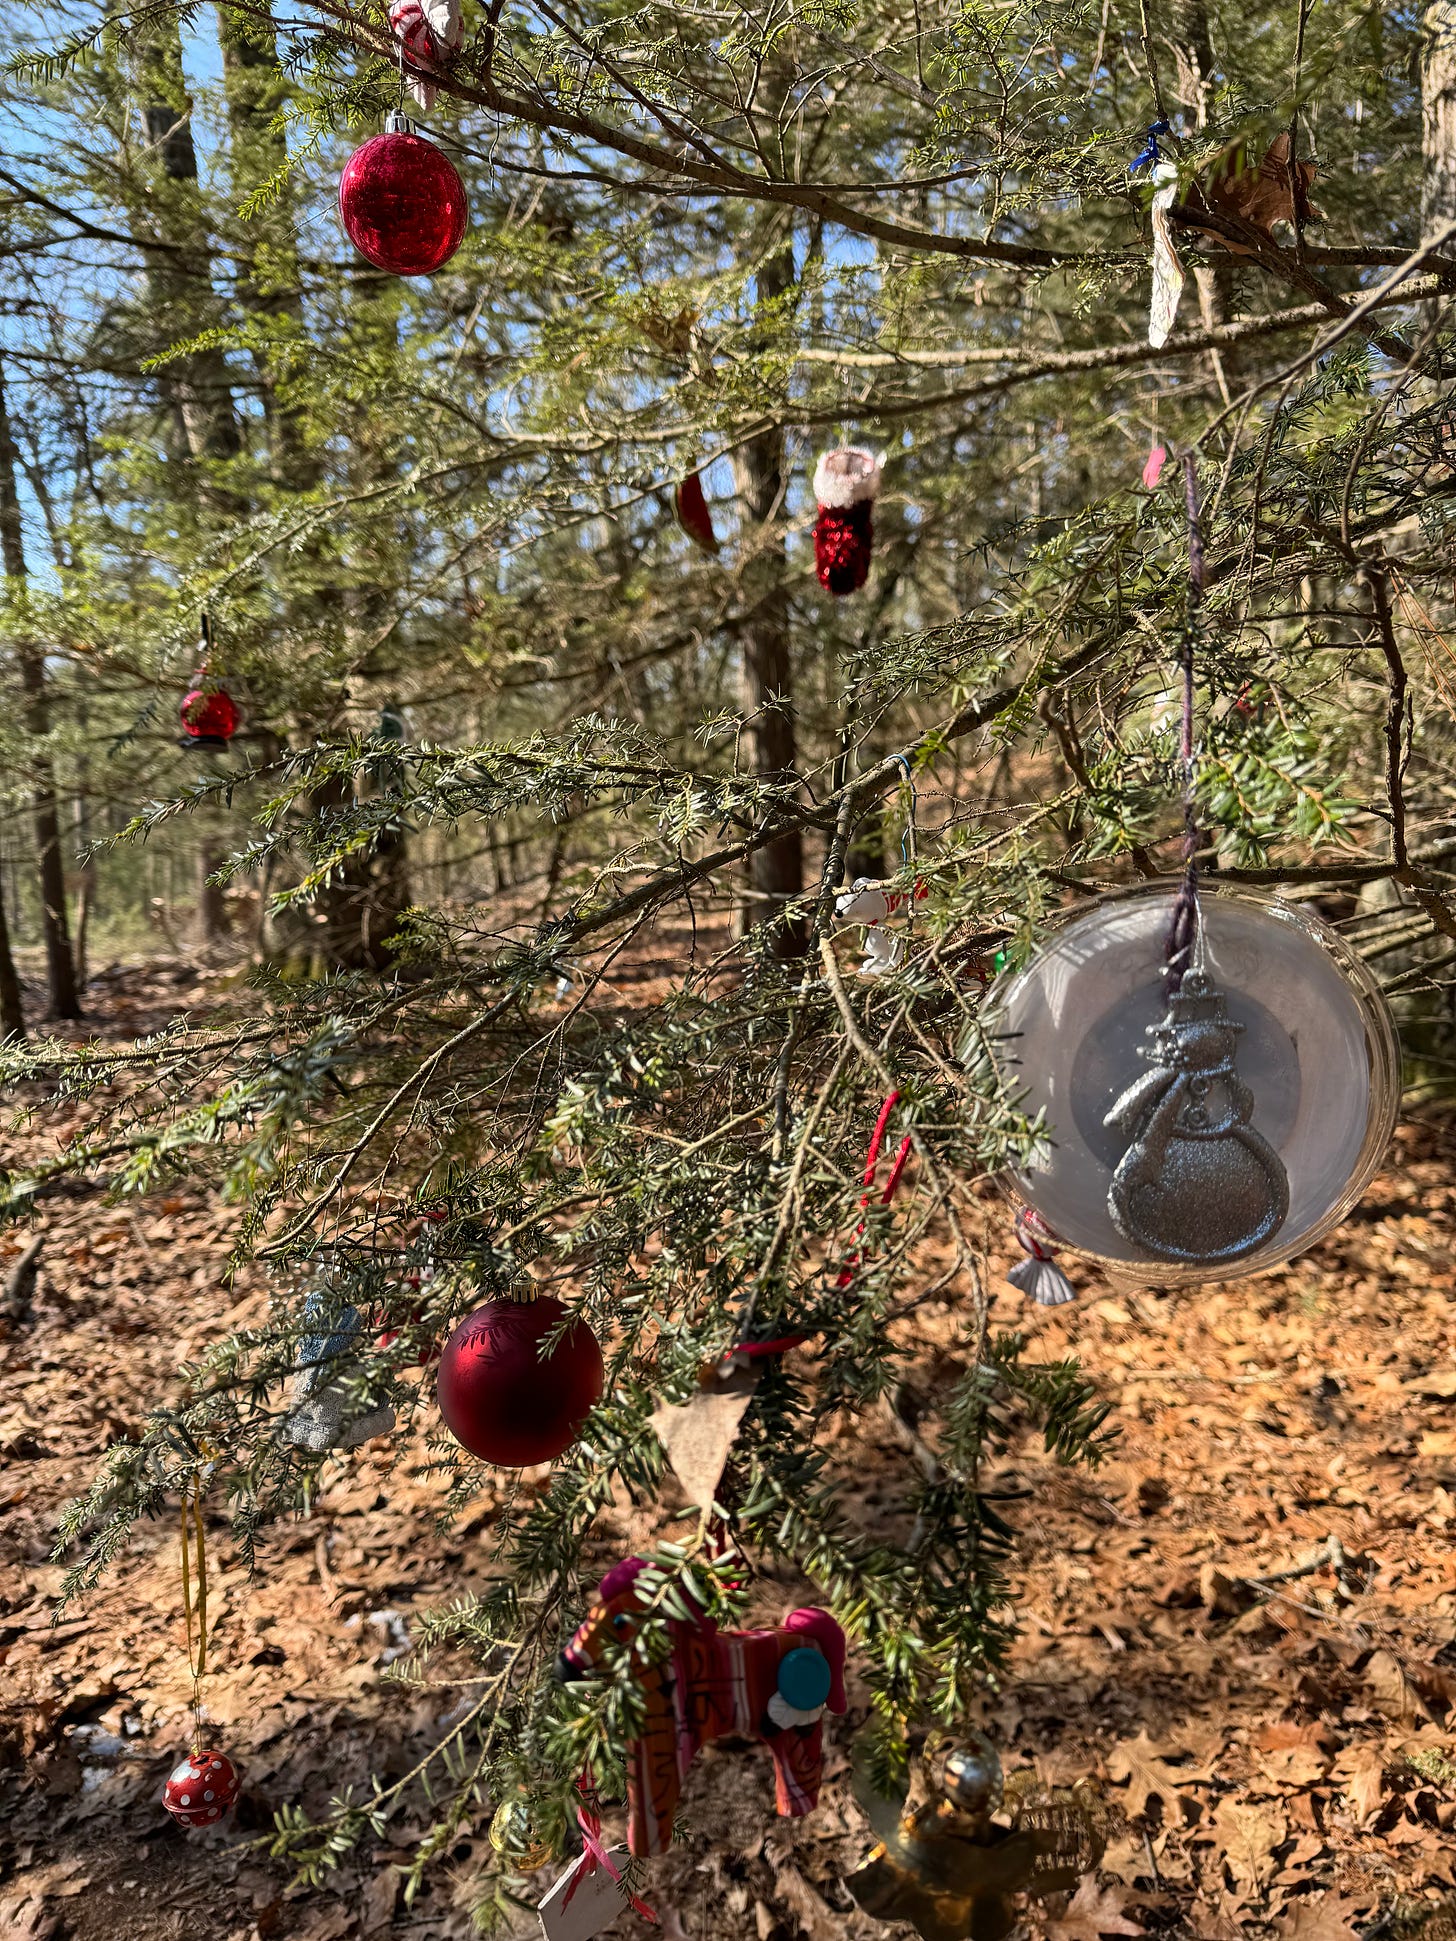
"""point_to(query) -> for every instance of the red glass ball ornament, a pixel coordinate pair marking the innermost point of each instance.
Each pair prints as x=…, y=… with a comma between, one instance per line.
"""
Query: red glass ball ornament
x=210, y=714
x=504, y=1398
x=402, y=202
x=201, y=1789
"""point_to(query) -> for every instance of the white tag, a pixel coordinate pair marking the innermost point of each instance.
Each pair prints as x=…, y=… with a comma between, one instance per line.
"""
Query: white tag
x=698, y=1436
x=595, y=1899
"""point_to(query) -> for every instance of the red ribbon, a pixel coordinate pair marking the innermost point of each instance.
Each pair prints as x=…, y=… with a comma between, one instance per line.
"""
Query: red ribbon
x=872, y=1162
x=590, y=1823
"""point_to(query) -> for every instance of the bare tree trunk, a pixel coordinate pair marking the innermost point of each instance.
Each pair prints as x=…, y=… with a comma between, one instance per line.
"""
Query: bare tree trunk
x=12, y=1012
x=362, y=905
x=211, y=909
x=269, y=283
x=197, y=390
x=1438, y=114
x=30, y=658
x=777, y=869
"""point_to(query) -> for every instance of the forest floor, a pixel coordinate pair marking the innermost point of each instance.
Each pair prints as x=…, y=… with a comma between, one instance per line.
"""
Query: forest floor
x=1267, y=1728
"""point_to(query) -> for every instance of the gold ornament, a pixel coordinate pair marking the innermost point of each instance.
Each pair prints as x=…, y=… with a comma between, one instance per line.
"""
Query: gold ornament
x=962, y=1841
x=516, y=1839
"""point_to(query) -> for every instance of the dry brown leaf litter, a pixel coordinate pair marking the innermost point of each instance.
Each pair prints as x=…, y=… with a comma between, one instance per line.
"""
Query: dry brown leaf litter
x=1243, y=1627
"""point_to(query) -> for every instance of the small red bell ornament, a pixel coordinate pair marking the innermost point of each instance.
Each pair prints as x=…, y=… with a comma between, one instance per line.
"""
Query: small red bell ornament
x=210, y=715
x=507, y=1400
x=402, y=202
x=845, y=484
x=201, y=1789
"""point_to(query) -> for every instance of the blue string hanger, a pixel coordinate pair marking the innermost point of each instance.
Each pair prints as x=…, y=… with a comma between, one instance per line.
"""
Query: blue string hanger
x=1150, y=154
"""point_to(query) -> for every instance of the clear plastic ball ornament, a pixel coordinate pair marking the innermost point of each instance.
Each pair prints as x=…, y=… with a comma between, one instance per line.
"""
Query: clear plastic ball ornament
x=1313, y=1073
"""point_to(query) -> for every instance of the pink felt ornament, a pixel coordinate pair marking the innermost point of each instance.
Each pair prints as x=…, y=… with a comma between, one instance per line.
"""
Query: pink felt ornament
x=1153, y=468
x=402, y=202
x=201, y=1789
x=845, y=484
x=769, y=1685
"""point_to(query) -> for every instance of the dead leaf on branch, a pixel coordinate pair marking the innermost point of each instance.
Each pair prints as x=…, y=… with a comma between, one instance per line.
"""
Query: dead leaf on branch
x=673, y=334
x=1257, y=197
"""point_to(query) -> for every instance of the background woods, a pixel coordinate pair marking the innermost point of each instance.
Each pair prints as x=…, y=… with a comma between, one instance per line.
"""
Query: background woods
x=501, y=937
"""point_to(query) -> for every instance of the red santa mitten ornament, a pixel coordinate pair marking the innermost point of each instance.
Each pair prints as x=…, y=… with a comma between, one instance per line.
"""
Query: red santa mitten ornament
x=693, y=516
x=201, y=1789
x=429, y=31
x=845, y=484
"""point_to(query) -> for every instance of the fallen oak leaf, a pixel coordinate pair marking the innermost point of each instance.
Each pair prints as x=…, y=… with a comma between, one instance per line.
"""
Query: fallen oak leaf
x=1247, y=1837
x=1093, y=1912
x=1143, y=1763
x=1330, y=1919
x=1363, y=1771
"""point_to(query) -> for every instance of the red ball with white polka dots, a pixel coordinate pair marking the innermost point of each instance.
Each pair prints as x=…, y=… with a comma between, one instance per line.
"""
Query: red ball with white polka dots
x=201, y=1789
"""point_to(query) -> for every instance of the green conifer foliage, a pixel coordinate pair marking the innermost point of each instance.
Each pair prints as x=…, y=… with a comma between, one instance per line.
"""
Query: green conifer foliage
x=597, y=1043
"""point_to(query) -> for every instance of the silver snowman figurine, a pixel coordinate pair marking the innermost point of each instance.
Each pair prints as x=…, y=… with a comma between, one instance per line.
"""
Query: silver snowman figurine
x=1197, y=1182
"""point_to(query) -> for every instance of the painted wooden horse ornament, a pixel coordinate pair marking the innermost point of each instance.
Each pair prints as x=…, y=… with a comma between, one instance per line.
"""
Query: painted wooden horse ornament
x=769, y=1685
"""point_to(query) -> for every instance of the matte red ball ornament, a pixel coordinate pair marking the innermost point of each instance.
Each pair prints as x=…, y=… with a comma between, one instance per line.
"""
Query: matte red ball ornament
x=210, y=715
x=845, y=484
x=402, y=202
x=201, y=1789
x=507, y=1399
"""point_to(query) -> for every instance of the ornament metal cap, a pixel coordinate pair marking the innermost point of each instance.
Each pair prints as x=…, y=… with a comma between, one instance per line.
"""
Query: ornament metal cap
x=396, y=123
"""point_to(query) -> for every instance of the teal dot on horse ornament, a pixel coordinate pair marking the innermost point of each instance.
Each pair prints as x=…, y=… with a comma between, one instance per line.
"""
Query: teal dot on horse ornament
x=804, y=1678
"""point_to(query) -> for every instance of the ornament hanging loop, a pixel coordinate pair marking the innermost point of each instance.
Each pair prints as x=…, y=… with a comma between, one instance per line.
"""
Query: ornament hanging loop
x=1182, y=951
x=194, y=1602
x=909, y=854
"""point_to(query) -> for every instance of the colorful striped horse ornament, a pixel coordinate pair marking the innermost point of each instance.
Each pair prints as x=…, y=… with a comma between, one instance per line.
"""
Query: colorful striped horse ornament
x=770, y=1685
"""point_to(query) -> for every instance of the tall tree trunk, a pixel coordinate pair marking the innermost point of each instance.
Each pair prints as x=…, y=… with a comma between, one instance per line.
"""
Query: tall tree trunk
x=30, y=658
x=1438, y=114
x=777, y=869
x=12, y=1011
x=211, y=908
x=198, y=390
x=362, y=905
x=270, y=283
